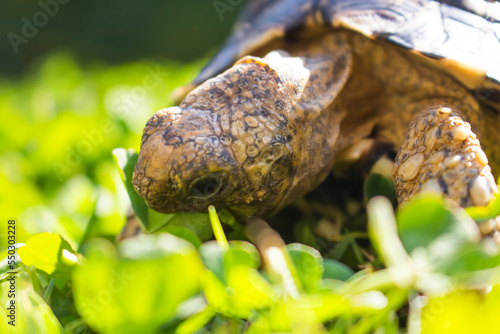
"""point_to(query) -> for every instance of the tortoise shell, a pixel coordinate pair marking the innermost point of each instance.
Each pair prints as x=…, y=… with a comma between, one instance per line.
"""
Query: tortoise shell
x=461, y=37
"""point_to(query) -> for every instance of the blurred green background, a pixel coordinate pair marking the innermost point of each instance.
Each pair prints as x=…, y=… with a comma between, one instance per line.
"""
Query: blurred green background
x=82, y=83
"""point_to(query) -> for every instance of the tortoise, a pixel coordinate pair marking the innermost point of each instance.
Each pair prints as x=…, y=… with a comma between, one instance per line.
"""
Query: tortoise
x=302, y=85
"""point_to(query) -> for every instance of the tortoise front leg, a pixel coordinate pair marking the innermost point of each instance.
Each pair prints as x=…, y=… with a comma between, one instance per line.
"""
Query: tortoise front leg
x=442, y=153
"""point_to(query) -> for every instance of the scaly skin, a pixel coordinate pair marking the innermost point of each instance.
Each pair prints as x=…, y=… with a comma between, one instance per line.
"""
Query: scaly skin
x=442, y=153
x=266, y=131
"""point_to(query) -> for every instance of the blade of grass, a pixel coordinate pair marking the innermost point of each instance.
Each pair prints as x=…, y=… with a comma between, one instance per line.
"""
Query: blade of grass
x=277, y=259
x=196, y=322
x=89, y=228
x=383, y=232
x=217, y=227
x=48, y=291
x=482, y=213
x=34, y=279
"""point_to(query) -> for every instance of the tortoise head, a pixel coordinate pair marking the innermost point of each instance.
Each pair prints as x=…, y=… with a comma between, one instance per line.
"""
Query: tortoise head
x=228, y=144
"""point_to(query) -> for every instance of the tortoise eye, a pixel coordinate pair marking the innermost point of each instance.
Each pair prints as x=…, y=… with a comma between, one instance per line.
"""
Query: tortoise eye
x=206, y=186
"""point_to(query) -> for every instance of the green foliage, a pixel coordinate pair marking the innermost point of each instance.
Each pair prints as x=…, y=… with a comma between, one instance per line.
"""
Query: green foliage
x=126, y=161
x=162, y=281
x=483, y=213
x=309, y=265
x=49, y=253
x=138, y=286
x=336, y=270
x=60, y=123
x=379, y=185
x=35, y=315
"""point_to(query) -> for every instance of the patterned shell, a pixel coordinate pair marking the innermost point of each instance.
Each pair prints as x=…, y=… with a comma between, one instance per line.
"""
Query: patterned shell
x=460, y=36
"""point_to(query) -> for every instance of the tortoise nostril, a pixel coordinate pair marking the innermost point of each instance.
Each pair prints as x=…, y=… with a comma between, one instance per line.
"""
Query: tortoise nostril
x=206, y=186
